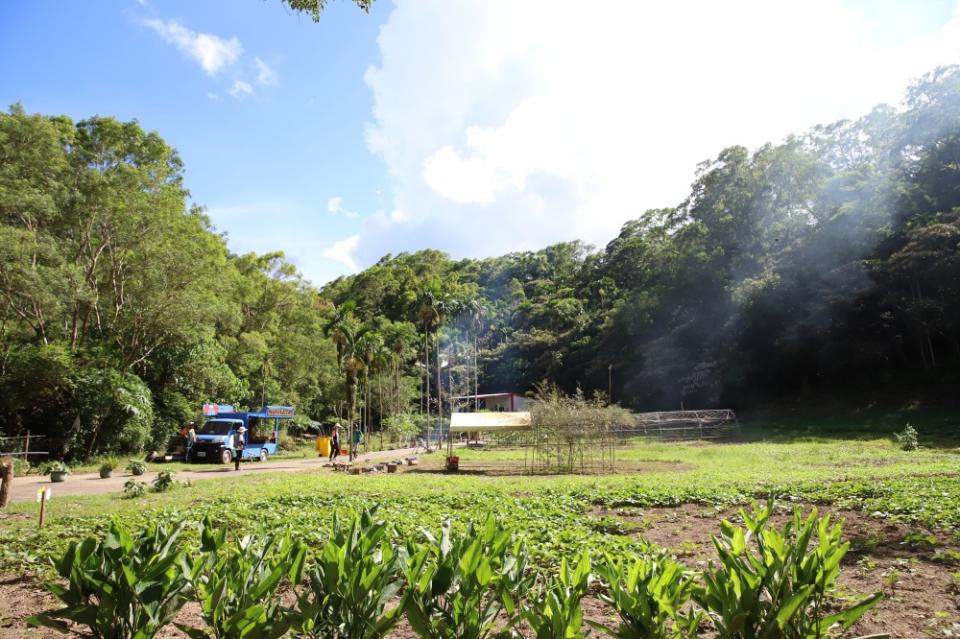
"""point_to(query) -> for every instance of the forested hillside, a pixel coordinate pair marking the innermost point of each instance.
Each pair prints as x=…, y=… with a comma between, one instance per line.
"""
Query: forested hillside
x=826, y=264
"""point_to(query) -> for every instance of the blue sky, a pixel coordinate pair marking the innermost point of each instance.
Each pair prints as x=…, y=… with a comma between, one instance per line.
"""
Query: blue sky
x=473, y=127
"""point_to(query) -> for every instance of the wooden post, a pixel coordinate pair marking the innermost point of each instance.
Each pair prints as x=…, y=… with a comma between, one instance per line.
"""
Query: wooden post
x=43, y=504
x=6, y=480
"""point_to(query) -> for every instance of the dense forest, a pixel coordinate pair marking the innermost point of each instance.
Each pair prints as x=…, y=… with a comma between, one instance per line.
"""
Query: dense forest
x=826, y=265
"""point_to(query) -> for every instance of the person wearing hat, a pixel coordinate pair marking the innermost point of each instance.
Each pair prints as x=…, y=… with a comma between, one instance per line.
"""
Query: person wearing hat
x=238, y=443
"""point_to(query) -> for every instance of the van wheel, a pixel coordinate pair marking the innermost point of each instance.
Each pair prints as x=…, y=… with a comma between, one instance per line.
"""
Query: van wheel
x=226, y=456
x=263, y=454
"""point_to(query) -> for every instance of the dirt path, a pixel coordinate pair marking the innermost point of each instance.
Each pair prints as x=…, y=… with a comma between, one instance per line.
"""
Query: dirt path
x=26, y=488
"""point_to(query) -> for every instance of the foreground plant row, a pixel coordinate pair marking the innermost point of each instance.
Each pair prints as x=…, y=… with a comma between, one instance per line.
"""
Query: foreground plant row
x=767, y=582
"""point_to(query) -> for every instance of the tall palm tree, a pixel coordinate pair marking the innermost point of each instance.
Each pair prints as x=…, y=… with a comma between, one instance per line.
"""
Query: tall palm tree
x=447, y=307
x=428, y=314
x=399, y=338
x=368, y=345
x=345, y=331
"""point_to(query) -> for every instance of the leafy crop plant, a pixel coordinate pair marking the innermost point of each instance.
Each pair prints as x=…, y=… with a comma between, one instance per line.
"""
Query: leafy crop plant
x=776, y=587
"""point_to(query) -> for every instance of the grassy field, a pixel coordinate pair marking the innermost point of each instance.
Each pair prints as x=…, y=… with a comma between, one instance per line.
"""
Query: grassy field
x=912, y=495
x=918, y=488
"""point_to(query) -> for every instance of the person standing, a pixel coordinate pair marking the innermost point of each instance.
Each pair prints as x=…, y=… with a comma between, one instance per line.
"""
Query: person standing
x=355, y=442
x=335, y=442
x=238, y=444
x=191, y=440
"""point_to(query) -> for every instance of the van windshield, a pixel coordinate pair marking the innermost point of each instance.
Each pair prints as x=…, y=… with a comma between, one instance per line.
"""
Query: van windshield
x=216, y=427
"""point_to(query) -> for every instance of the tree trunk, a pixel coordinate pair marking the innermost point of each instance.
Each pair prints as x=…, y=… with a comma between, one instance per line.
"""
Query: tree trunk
x=426, y=374
x=380, y=405
x=6, y=480
x=439, y=397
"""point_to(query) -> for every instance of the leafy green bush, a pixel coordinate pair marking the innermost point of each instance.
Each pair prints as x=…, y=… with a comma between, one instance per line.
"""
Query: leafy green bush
x=401, y=428
x=164, y=481
x=133, y=489
x=357, y=572
x=237, y=585
x=556, y=613
x=466, y=586
x=137, y=467
x=907, y=438
x=780, y=588
x=120, y=587
x=20, y=466
x=649, y=594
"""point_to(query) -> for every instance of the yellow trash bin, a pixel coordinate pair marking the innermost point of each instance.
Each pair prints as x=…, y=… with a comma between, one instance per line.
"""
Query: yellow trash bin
x=323, y=446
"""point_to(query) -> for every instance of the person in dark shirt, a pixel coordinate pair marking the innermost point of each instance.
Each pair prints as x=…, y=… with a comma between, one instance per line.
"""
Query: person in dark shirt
x=238, y=443
x=335, y=442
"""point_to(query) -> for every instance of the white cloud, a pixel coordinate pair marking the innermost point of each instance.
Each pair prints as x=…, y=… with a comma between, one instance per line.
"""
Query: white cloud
x=342, y=252
x=544, y=121
x=211, y=52
x=240, y=89
x=274, y=224
x=212, y=96
x=335, y=206
x=266, y=76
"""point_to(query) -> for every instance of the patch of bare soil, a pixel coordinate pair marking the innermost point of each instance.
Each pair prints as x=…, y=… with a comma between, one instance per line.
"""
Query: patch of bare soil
x=908, y=566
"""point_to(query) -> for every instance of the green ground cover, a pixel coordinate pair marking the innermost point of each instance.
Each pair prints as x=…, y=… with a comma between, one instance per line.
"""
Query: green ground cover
x=921, y=488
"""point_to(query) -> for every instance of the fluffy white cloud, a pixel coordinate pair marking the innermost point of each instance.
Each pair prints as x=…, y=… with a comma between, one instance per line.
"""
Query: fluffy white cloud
x=210, y=51
x=510, y=125
x=274, y=224
x=240, y=89
x=342, y=252
x=266, y=76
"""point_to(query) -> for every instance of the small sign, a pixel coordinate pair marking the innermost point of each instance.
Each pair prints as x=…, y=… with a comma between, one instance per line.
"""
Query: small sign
x=280, y=411
x=43, y=494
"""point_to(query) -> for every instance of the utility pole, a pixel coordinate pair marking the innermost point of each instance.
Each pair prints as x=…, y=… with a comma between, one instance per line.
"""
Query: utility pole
x=609, y=384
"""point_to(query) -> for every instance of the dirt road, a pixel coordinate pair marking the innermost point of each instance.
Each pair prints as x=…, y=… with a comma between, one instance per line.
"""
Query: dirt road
x=26, y=488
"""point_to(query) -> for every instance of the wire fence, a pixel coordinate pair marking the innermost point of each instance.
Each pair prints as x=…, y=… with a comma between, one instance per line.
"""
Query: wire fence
x=715, y=424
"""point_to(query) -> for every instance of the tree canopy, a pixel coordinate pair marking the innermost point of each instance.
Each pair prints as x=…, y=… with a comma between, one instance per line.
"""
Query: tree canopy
x=824, y=264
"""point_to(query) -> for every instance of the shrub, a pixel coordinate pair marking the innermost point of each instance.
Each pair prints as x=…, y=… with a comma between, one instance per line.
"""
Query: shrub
x=237, y=585
x=780, y=588
x=137, y=467
x=649, y=594
x=133, y=489
x=164, y=481
x=20, y=466
x=356, y=574
x=464, y=587
x=907, y=438
x=120, y=587
x=401, y=428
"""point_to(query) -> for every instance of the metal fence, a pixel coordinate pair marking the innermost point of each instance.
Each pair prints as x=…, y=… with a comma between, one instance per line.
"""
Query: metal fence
x=32, y=448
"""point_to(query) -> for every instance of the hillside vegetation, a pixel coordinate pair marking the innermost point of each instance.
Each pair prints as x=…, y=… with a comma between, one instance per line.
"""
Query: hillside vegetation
x=827, y=263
